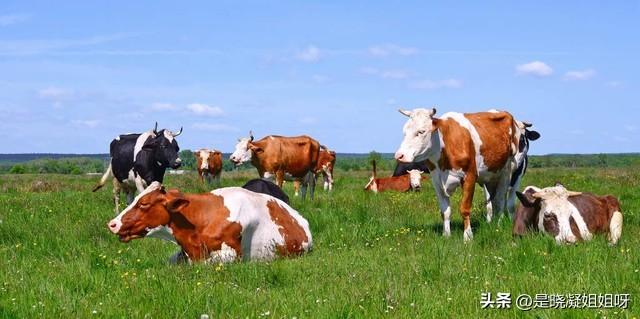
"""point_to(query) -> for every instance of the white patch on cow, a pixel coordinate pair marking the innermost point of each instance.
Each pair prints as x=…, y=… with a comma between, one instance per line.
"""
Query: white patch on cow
x=468, y=234
x=117, y=138
x=269, y=176
x=117, y=221
x=249, y=209
x=242, y=153
x=372, y=183
x=168, y=135
x=615, y=228
x=555, y=201
x=204, y=157
x=475, y=137
x=140, y=143
x=415, y=178
x=582, y=226
x=162, y=232
x=224, y=255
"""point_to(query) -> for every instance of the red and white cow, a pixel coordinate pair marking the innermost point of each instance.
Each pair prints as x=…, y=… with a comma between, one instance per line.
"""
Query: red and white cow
x=324, y=166
x=221, y=226
x=464, y=149
x=279, y=155
x=567, y=216
x=209, y=165
x=412, y=180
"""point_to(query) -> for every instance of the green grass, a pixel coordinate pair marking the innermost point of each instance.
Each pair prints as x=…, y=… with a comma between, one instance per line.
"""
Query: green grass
x=374, y=256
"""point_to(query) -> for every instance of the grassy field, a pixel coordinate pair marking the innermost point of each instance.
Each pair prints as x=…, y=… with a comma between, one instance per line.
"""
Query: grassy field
x=374, y=256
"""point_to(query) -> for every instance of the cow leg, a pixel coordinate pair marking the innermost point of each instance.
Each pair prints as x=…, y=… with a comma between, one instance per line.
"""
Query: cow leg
x=311, y=181
x=511, y=198
x=217, y=179
x=130, y=196
x=296, y=187
x=443, y=202
x=178, y=258
x=303, y=187
x=499, y=199
x=116, y=195
x=489, y=192
x=468, y=187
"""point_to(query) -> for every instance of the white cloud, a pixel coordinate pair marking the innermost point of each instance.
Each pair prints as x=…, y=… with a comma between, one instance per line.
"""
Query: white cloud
x=163, y=107
x=9, y=19
x=536, y=68
x=214, y=127
x=391, y=49
x=309, y=54
x=434, y=85
x=203, y=109
x=395, y=74
x=579, y=75
x=87, y=123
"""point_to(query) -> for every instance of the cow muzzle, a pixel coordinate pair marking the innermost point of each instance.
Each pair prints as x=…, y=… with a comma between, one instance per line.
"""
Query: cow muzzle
x=177, y=163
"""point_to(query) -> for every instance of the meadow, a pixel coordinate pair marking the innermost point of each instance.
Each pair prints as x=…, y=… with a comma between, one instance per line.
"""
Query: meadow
x=374, y=256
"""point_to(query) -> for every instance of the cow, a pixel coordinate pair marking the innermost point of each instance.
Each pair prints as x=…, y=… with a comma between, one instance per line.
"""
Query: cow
x=324, y=167
x=566, y=215
x=522, y=161
x=410, y=181
x=403, y=168
x=225, y=225
x=462, y=150
x=137, y=160
x=275, y=156
x=209, y=165
x=266, y=187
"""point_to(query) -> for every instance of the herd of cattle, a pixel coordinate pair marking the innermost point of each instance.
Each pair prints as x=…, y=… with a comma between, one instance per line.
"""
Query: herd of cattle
x=256, y=222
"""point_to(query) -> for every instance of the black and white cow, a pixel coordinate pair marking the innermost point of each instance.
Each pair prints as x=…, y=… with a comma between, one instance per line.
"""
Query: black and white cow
x=137, y=160
x=260, y=185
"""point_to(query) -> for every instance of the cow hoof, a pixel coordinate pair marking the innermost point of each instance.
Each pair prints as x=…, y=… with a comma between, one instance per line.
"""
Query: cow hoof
x=468, y=235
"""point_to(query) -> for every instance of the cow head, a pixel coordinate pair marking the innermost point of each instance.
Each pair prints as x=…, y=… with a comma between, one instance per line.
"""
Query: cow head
x=415, y=177
x=149, y=211
x=547, y=210
x=419, y=141
x=244, y=150
x=164, y=148
x=203, y=159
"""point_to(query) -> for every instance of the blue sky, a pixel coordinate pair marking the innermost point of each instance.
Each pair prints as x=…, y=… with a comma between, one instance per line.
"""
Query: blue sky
x=74, y=74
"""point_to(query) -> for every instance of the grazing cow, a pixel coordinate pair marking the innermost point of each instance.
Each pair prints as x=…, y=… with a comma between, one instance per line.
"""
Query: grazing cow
x=567, y=216
x=278, y=155
x=221, y=226
x=522, y=161
x=410, y=181
x=462, y=150
x=259, y=185
x=209, y=165
x=137, y=160
x=403, y=168
x=326, y=162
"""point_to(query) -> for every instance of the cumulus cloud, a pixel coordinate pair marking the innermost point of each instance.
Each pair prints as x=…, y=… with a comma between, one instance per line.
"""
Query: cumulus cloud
x=395, y=74
x=203, y=109
x=212, y=127
x=391, y=49
x=9, y=19
x=536, y=68
x=434, y=85
x=309, y=54
x=579, y=75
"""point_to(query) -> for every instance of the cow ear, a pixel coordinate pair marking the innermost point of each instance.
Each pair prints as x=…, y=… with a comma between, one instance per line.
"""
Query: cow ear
x=526, y=199
x=531, y=135
x=256, y=149
x=434, y=123
x=177, y=204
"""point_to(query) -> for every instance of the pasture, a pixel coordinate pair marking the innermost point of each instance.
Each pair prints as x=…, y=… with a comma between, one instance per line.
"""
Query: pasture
x=374, y=256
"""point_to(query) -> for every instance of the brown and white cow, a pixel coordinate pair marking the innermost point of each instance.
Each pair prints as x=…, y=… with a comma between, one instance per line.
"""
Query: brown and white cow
x=567, y=216
x=275, y=156
x=209, y=165
x=464, y=149
x=412, y=180
x=324, y=166
x=224, y=225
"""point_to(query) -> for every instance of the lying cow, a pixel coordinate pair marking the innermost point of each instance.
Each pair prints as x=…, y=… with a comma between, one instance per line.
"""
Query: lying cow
x=209, y=165
x=221, y=226
x=410, y=181
x=259, y=185
x=567, y=216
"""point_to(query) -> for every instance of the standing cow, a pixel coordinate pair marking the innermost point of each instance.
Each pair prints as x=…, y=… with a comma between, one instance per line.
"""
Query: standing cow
x=278, y=155
x=568, y=216
x=326, y=162
x=209, y=165
x=137, y=160
x=463, y=149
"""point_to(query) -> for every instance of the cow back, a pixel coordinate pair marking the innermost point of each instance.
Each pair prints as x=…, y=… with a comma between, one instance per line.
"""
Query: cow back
x=295, y=155
x=265, y=187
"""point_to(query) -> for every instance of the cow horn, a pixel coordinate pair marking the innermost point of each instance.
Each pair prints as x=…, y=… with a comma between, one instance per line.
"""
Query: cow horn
x=537, y=195
x=155, y=129
x=527, y=124
x=433, y=111
x=179, y=132
x=405, y=112
x=572, y=193
x=250, y=136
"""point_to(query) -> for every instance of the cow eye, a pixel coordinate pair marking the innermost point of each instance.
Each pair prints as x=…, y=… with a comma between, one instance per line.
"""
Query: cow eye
x=145, y=206
x=421, y=132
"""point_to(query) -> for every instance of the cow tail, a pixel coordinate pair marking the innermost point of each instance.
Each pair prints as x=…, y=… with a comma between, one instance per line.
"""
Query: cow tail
x=108, y=173
x=374, y=168
x=615, y=227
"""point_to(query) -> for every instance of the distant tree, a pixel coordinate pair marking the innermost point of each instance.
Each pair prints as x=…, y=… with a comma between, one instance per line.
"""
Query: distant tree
x=17, y=169
x=188, y=159
x=602, y=160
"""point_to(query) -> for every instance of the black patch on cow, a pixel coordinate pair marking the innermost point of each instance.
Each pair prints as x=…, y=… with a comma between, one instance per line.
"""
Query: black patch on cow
x=266, y=187
x=402, y=168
